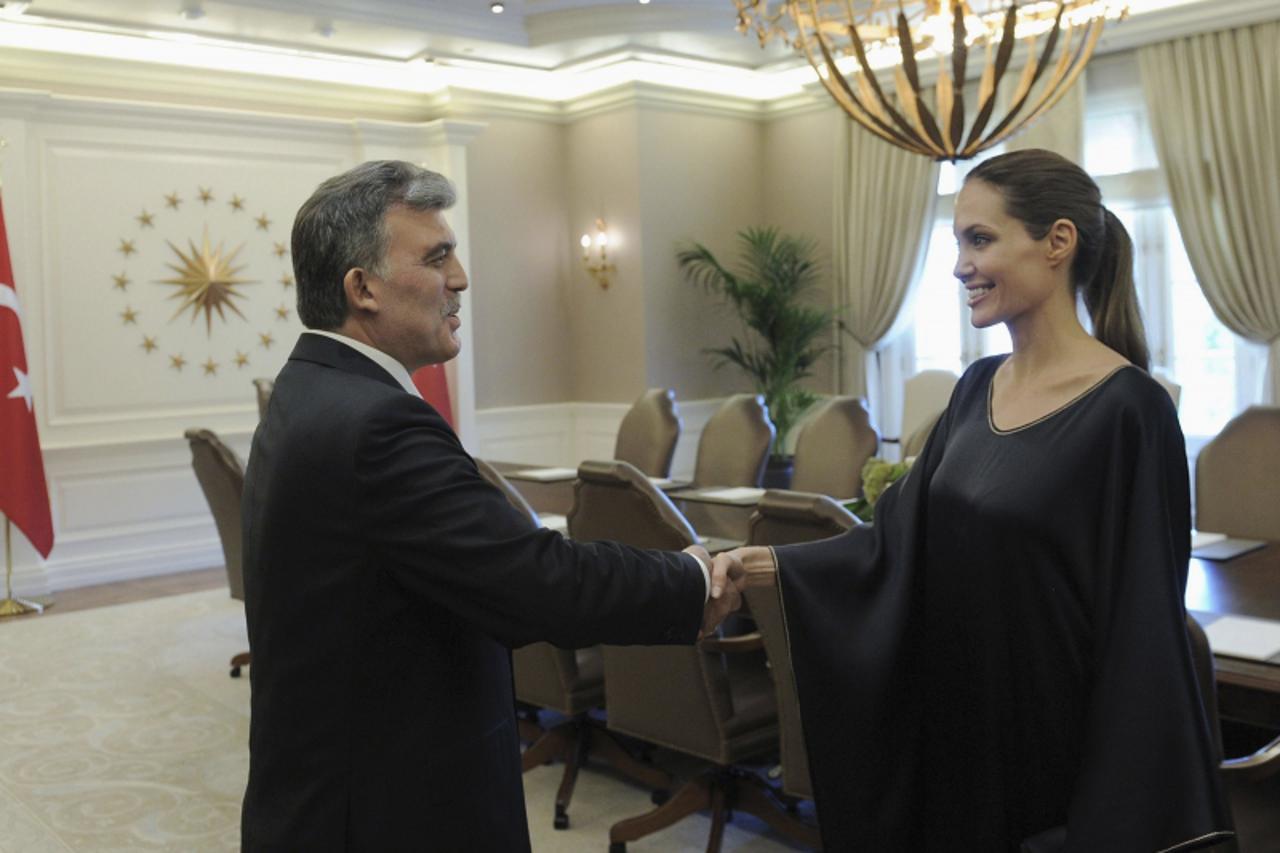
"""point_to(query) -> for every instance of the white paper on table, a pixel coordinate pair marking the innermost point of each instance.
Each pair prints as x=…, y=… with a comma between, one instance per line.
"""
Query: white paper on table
x=553, y=521
x=1200, y=538
x=1244, y=637
x=733, y=493
x=546, y=475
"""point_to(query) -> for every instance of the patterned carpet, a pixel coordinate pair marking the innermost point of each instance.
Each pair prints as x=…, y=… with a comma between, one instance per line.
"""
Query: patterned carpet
x=120, y=731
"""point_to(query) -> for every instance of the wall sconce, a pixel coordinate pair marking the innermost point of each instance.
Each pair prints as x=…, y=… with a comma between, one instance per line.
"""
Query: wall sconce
x=599, y=266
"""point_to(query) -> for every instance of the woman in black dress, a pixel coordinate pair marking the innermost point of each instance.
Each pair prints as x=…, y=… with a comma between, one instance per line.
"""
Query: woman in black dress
x=1001, y=662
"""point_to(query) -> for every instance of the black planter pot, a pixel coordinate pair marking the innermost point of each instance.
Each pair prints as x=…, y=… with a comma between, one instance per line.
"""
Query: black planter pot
x=777, y=472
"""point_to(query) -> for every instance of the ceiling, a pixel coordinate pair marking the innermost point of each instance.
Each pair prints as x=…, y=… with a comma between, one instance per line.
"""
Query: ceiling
x=532, y=33
x=552, y=50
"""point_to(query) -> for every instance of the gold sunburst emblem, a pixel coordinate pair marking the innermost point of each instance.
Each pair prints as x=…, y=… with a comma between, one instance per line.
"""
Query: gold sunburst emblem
x=207, y=280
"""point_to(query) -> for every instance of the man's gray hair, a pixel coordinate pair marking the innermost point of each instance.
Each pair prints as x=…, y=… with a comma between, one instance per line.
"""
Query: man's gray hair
x=342, y=226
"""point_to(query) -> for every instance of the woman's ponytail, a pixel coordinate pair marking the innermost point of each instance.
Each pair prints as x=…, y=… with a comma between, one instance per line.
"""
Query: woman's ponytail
x=1112, y=299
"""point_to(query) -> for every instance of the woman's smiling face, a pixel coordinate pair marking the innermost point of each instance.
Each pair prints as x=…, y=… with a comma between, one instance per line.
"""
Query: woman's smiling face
x=1004, y=270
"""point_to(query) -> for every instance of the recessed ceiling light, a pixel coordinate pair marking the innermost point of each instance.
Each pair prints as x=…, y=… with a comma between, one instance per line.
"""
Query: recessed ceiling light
x=497, y=8
x=644, y=2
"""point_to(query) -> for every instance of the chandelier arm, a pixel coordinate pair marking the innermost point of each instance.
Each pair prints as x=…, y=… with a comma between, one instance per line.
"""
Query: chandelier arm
x=910, y=104
x=870, y=78
x=1003, y=55
x=884, y=129
x=1024, y=89
x=946, y=109
x=1062, y=81
x=959, y=61
x=908, y=49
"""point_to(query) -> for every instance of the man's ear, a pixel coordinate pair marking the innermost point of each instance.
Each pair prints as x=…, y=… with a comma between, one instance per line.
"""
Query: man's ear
x=361, y=293
x=1062, y=239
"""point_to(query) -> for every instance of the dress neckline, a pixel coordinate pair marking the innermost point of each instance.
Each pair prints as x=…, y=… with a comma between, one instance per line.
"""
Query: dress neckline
x=991, y=385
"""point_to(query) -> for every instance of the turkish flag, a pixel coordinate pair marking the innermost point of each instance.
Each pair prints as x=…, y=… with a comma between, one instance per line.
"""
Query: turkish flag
x=433, y=385
x=24, y=497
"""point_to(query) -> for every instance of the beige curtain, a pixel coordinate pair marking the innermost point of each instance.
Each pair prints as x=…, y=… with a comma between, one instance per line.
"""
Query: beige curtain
x=884, y=207
x=1214, y=105
x=1060, y=130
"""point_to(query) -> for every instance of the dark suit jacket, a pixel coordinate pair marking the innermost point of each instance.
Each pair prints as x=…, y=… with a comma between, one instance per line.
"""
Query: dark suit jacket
x=385, y=582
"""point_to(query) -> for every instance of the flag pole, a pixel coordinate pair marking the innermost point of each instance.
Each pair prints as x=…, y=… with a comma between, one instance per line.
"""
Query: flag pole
x=11, y=606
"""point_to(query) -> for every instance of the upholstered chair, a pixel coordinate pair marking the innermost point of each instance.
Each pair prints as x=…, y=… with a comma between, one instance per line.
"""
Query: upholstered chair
x=569, y=682
x=1172, y=388
x=735, y=443
x=703, y=708
x=784, y=518
x=1236, y=477
x=221, y=477
x=915, y=442
x=832, y=446
x=263, y=388
x=648, y=433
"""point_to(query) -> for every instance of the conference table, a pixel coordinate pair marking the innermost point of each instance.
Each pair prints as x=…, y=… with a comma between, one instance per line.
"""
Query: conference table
x=1237, y=602
x=1244, y=591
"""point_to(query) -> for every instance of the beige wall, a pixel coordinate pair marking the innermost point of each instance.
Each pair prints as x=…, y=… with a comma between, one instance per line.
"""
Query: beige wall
x=520, y=259
x=798, y=167
x=607, y=327
x=700, y=180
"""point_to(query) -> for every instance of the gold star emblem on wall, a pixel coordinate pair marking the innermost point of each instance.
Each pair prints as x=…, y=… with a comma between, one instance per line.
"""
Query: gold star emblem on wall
x=148, y=343
x=172, y=200
x=126, y=247
x=146, y=220
x=121, y=281
x=129, y=316
x=263, y=222
x=177, y=362
x=282, y=312
x=286, y=280
x=281, y=250
x=210, y=367
x=236, y=202
x=265, y=340
x=242, y=359
x=207, y=281
x=206, y=195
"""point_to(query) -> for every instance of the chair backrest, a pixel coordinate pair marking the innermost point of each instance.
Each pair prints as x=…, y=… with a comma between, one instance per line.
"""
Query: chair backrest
x=832, y=447
x=923, y=397
x=513, y=496
x=678, y=696
x=648, y=433
x=221, y=477
x=783, y=518
x=1173, y=388
x=735, y=443
x=263, y=387
x=1236, y=476
x=544, y=675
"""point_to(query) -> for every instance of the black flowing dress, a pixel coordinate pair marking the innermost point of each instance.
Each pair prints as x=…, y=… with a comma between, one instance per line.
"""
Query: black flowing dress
x=1003, y=655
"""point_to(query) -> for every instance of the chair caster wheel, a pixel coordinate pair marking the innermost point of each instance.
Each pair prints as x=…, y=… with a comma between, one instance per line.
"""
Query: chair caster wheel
x=659, y=797
x=235, y=672
x=562, y=820
x=618, y=847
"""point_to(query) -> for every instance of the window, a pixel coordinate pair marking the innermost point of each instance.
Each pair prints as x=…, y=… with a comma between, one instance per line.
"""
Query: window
x=1217, y=371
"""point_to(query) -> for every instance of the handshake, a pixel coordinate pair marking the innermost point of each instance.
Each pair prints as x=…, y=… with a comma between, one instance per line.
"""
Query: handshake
x=728, y=580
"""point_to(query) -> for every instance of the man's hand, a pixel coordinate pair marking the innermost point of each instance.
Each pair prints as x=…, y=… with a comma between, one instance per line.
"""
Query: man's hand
x=727, y=581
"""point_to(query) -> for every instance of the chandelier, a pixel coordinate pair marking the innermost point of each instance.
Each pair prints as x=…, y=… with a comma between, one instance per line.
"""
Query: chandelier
x=846, y=41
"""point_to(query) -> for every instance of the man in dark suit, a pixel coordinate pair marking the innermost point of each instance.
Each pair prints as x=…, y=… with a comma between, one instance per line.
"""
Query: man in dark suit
x=385, y=580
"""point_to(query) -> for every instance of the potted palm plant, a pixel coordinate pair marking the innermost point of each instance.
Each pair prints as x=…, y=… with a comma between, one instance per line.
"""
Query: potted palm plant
x=784, y=335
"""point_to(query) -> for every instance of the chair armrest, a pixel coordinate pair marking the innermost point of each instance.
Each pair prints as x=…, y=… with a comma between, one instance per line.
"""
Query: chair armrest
x=751, y=642
x=1264, y=762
